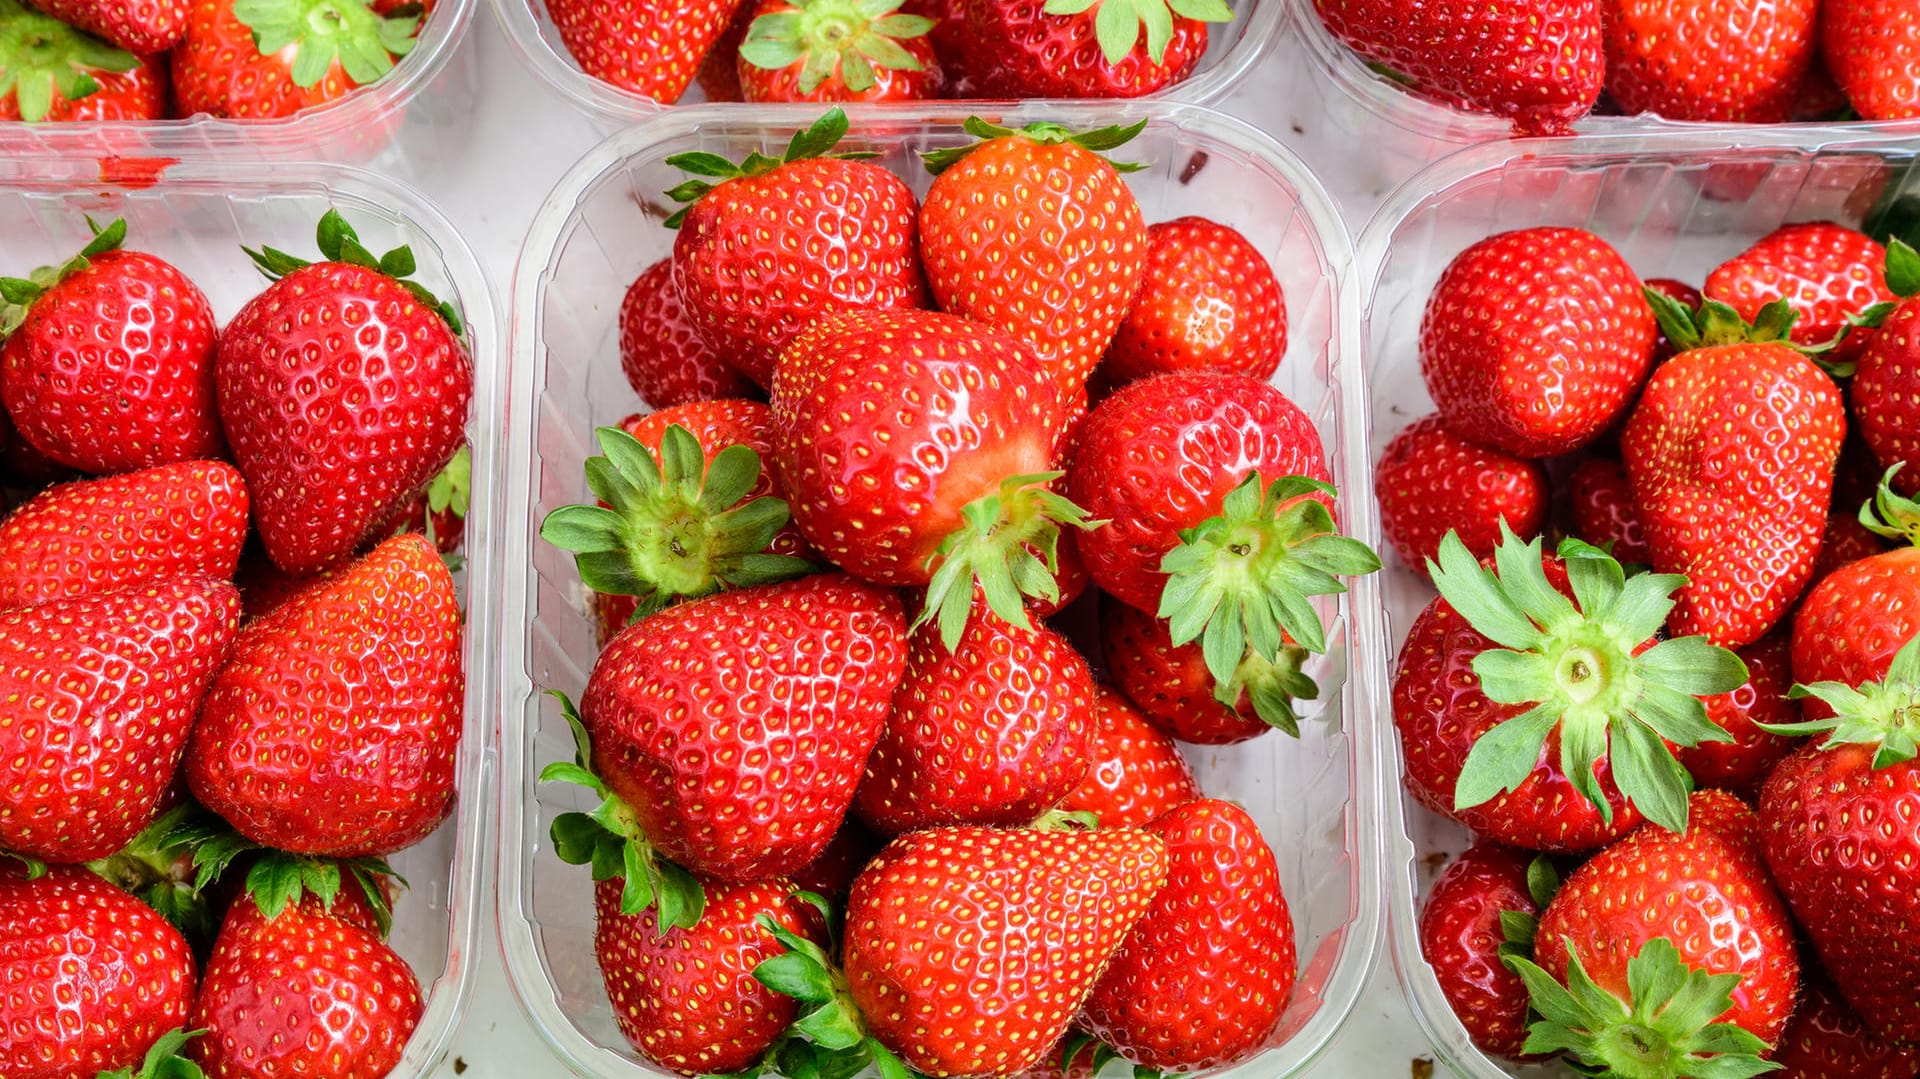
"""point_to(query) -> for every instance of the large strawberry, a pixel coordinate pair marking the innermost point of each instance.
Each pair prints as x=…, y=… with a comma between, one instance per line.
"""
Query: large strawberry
x=1829, y=274
x=651, y=49
x=1135, y=773
x=1534, y=341
x=334, y=728
x=662, y=354
x=1084, y=48
x=1825, y=1040
x=1873, y=49
x=110, y=366
x=1887, y=382
x=1034, y=232
x=1431, y=481
x=1208, y=299
x=144, y=28
x=1721, y=61
x=767, y=246
x=51, y=71
x=264, y=59
x=1483, y=908
x=1730, y=453
x=837, y=50
x=325, y=469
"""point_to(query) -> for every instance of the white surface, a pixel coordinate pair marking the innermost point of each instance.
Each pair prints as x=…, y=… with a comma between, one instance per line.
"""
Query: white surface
x=523, y=140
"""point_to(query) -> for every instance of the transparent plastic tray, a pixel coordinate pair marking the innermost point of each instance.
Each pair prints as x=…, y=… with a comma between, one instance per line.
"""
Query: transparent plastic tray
x=1315, y=799
x=197, y=218
x=1675, y=206
x=1232, y=50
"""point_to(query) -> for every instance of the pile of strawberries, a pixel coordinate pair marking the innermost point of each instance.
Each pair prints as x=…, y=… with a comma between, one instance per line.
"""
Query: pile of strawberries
x=858, y=799
x=92, y=60
x=1545, y=64
x=230, y=665
x=1701, y=704
x=887, y=50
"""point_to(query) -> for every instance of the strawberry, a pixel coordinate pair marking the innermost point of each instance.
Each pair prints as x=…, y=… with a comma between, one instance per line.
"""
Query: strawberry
x=1484, y=907
x=1887, y=382
x=1534, y=341
x=842, y=239
x=1536, y=704
x=1825, y=1040
x=325, y=470
x=1747, y=715
x=1135, y=772
x=263, y=59
x=97, y=695
x=1846, y=541
x=439, y=511
x=837, y=50
x=143, y=28
x=51, y=71
x=111, y=367
x=651, y=49
x=719, y=74
x=1730, y=454
x=1084, y=48
x=186, y=519
x=90, y=977
x=1603, y=510
x=1853, y=620
x=1207, y=299
x=1173, y=688
x=661, y=352
x=832, y=872
x=1202, y=980
x=1827, y=274
x=1035, y=233
x=948, y=38
x=1539, y=63
x=334, y=728
x=1719, y=61
x=1873, y=49
x=1431, y=482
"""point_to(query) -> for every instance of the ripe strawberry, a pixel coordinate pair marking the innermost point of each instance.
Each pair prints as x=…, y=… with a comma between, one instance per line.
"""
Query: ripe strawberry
x=111, y=367
x=325, y=470
x=143, y=28
x=1603, y=510
x=439, y=511
x=661, y=352
x=1064, y=285
x=1846, y=541
x=1539, y=63
x=1084, y=48
x=1658, y=60
x=831, y=874
x=1825, y=1040
x=1207, y=299
x=1172, y=686
x=719, y=74
x=1873, y=49
x=1483, y=908
x=1887, y=382
x=1431, y=482
x=837, y=50
x=841, y=238
x=334, y=727
x=263, y=59
x=1202, y=980
x=51, y=71
x=90, y=977
x=948, y=38
x=1747, y=715
x=652, y=49
x=1535, y=341
x=1828, y=274
x=186, y=519
x=1135, y=772
x=1543, y=723
x=1853, y=620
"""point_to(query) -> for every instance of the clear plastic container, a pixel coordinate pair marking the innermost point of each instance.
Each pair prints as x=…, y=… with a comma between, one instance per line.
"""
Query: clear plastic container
x=1314, y=799
x=414, y=116
x=1232, y=50
x=197, y=218
x=1675, y=206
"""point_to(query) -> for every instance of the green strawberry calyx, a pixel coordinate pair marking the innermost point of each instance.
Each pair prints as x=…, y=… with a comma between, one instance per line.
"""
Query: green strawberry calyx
x=277, y=879
x=1890, y=514
x=17, y=294
x=323, y=33
x=1903, y=280
x=1241, y=583
x=1579, y=664
x=42, y=58
x=1716, y=323
x=163, y=1060
x=1517, y=927
x=609, y=838
x=711, y=170
x=673, y=527
x=827, y=38
x=1117, y=23
x=1009, y=547
x=338, y=242
x=1666, y=1030
x=830, y=1037
x=1098, y=141
x=1883, y=714
x=158, y=867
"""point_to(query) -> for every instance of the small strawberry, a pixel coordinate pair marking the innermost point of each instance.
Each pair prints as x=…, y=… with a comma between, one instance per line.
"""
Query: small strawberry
x=1534, y=341
x=143, y=28
x=651, y=49
x=1084, y=48
x=837, y=50
x=1483, y=908
x=1659, y=60
x=1431, y=482
x=1873, y=49
x=264, y=59
x=1207, y=299
x=53, y=72
x=1825, y=1040
x=1828, y=274
x=1853, y=620
x=842, y=239
x=110, y=366
x=325, y=470
x=1603, y=510
x=662, y=354
x=1886, y=384
x=1174, y=689
x=1136, y=772
x=1748, y=715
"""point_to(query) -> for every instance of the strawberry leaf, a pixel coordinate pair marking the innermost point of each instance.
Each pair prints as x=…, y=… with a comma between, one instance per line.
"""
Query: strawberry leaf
x=835, y=37
x=1903, y=268
x=994, y=550
x=1046, y=134
x=163, y=1060
x=1543, y=881
x=338, y=242
x=815, y=141
x=1879, y=714
x=42, y=57
x=324, y=33
x=1117, y=24
x=1889, y=513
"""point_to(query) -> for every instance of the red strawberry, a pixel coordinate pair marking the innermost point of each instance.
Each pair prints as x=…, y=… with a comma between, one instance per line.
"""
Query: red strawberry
x=263, y=59
x=145, y=28
x=842, y=239
x=948, y=38
x=325, y=470
x=439, y=511
x=1202, y=980
x=1721, y=61
x=111, y=368
x=1019, y=48
x=1603, y=510
x=1853, y=620
x=90, y=977
x=1873, y=50
x=719, y=75
x=1208, y=300
x=837, y=50
x=1846, y=541
x=1742, y=763
x=1535, y=341
x=53, y=72
x=1825, y=1040
x=335, y=727
x=1431, y=482
x=1540, y=63
x=651, y=49
x=1827, y=274
x=1136, y=772
x=831, y=875
x=1887, y=383
x=1483, y=908
x=1172, y=686
x=661, y=352
x=1033, y=232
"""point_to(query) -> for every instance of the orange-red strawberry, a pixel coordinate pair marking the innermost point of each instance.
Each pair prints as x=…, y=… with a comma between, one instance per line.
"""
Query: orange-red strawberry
x=1873, y=49
x=1482, y=908
x=1740, y=764
x=1083, y=48
x=1722, y=61
x=1207, y=299
x=263, y=59
x=51, y=71
x=1827, y=274
x=1603, y=510
x=1135, y=773
x=1431, y=481
x=145, y=27
x=1535, y=341
x=1825, y=1040
x=652, y=49
x=662, y=354
x=837, y=50
x=1173, y=688
x=1035, y=233
x=1886, y=386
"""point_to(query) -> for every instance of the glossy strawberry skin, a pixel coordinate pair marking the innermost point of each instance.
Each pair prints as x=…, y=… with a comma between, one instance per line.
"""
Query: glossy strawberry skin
x=649, y=49
x=101, y=535
x=1061, y=901
x=325, y=470
x=1461, y=937
x=1169, y=683
x=97, y=695
x=334, y=728
x=1741, y=764
x=1873, y=49
x=90, y=976
x=1825, y=272
x=1208, y=300
x=1135, y=772
x=1884, y=389
x=218, y=70
x=1825, y=1040
x=1603, y=510
x=1534, y=341
x=1431, y=482
x=1850, y=624
x=1161, y=455
x=662, y=354
x=1016, y=49
x=1203, y=979
x=1720, y=61
x=759, y=84
x=716, y=425
x=686, y=998
x=152, y=26
x=138, y=94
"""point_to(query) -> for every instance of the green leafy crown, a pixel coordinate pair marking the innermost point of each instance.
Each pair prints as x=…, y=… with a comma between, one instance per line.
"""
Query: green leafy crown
x=1883, y=714
x=17, y=294
x=1117, y=23
x=828, y=37
x=42, y=58
x=325, y=32
x=338, y=242
x=1009, y=546
x=1046, y=134
x=830, y=1038
x=712, y=169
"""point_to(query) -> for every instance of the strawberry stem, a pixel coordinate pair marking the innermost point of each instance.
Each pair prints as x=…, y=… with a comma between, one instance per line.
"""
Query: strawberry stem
x=1889, y=513
x=995, y=550
x=276, y=879
x=42, y=58
x=152, y=867
x=830, y=1037
x=835, y=37
x=1883, y=714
